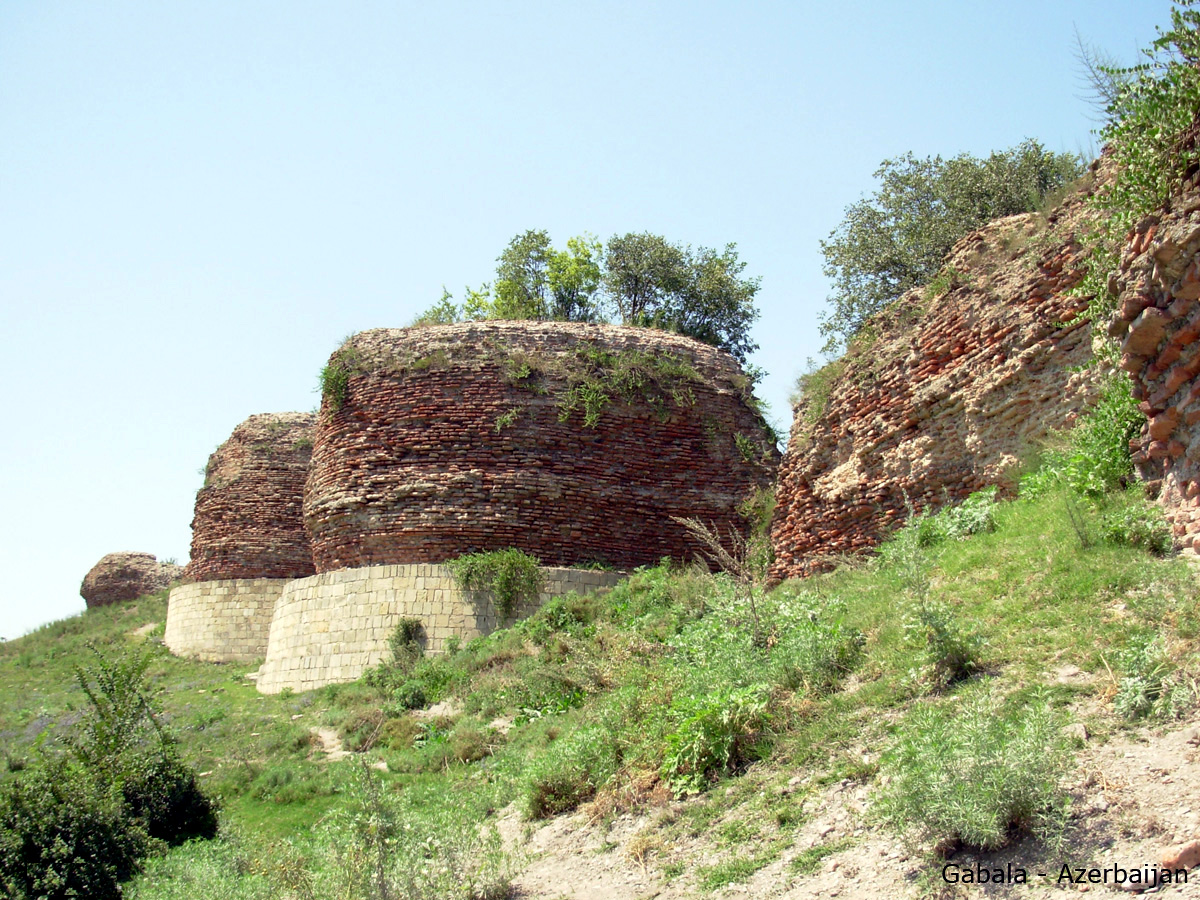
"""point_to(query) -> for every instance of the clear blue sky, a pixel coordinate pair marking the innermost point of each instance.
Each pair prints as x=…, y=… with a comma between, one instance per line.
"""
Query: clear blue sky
x=199, y=200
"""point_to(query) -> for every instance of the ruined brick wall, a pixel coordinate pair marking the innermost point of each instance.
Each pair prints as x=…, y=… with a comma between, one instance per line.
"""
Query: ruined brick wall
x=1158, y=322
x=248, y=520
x=942, y=395
x=479, y=436
x=125, y=576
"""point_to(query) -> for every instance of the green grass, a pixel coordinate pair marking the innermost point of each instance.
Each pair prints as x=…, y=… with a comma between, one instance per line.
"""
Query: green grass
x=600, y=690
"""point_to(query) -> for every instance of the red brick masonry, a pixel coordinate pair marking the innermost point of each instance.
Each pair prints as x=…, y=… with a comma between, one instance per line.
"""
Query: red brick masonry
x=1158, y=320
x=453, y=438
x=942, y=395
x=248, y=521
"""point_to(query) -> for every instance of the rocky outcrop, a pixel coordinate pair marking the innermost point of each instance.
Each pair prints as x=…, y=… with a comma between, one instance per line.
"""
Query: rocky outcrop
x=125, y=576
x=573, y=442
x=248, y=521
x=942, y=394
x=1158, y=324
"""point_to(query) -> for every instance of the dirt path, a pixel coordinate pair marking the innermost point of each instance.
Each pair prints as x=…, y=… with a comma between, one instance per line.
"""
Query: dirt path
x=331, y=743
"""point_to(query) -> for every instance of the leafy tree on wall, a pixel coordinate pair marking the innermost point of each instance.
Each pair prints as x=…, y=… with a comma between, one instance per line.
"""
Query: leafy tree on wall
x=897, y=238
x=637, y=279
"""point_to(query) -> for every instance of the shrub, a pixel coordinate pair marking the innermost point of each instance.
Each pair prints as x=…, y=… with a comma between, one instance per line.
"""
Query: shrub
x=65, y=834
x=209, y=870
x=335, y=375
x=570, y=772
x=716, y=733
x=406, y=643
x=975, y=515
x=410, y=695
x=1097, y=459
x=511, y=576
x=380, y=848
x=77, y=827
x=1151, y=685
x=950, y=653
x=1139, y=525
x=122, y=744
x=814, y=649
x=976, y=774
x=162, y=793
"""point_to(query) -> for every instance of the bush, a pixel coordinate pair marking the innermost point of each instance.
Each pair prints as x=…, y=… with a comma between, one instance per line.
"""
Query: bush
x=407, y=642
x=716, y=734
x=1150, y=686
x=975, y=515
x=162, y=793
x=570, y=772
x=210, y=870
x=77, y=827
x=511, y=576
x=976, y=774
x=1097, y=459
x=380, y=848
x=410, y=695
x=1140, y=525
x=814, y=649
x=949, y=652
x=64, y=834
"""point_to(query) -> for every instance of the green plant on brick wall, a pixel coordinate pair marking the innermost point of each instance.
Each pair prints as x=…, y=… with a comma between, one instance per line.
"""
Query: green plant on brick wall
x=596, y=377
x=510, y=576
x=335, y=376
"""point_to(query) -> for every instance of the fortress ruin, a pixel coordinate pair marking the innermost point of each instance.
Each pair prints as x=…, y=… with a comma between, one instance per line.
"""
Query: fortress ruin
x=575, y=443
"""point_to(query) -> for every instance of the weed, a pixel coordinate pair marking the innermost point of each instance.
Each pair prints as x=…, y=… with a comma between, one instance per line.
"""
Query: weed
x=976, y=773
x=715, y=734
x=571, y=773
x=949, y=652
x=335, y=376
x=814, y=388
x=406, y=643
x=808, y=861
x=1139, y=525
x=945, y=279
x=507, y=418
x=510, y=576
x=1151, y=685
x=746, y=447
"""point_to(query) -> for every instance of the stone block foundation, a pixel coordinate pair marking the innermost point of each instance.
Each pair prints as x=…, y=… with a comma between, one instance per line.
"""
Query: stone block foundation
x=332, y=627
x=222, y=621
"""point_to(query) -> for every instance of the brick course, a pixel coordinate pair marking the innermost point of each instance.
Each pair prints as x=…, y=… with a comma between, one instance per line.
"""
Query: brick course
x=942, y=396
x=453, y=439
x=1158, y=324
x=248, y=521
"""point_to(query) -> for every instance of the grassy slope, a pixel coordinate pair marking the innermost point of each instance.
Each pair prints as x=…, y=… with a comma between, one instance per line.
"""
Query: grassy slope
x=600, y=691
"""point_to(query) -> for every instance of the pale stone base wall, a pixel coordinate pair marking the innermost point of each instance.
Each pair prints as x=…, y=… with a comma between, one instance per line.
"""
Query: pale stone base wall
x=332, y=627
x=222, y=621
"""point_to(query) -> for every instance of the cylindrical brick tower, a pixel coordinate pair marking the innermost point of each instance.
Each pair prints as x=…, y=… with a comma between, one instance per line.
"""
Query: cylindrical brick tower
x=248, y=521
x=576, y=443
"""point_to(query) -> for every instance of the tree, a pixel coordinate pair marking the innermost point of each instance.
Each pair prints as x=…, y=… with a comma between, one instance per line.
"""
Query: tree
x=640, y=272
x=574, y=278
x=643, y=278
x=523, y=278
x=698, y=293
x=897, y=238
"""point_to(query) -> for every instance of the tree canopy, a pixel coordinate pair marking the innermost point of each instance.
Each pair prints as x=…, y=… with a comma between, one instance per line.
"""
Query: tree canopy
x=635, y=279
x=897, y=238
